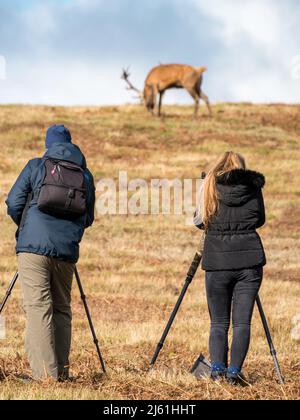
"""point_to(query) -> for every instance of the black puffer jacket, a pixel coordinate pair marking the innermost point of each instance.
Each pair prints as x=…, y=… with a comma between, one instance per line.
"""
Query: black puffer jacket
x=232, y=242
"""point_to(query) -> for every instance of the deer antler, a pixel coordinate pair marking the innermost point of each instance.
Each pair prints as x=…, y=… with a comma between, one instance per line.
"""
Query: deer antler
x=125, y=76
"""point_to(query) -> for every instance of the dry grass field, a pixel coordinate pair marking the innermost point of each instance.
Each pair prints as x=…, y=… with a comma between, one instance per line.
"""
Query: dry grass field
x=133, y=267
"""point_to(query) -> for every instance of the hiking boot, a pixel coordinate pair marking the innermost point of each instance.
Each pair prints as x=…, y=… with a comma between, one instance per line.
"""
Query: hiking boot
x=236, y=378
x=217, y=376
x=24, y=379
x=218, y=371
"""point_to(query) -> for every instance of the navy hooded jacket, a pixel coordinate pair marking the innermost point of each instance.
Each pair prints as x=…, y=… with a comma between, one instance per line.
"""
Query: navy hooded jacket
x=41, y=233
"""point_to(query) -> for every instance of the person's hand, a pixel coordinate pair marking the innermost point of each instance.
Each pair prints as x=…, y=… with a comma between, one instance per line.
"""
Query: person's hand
x=201, y=245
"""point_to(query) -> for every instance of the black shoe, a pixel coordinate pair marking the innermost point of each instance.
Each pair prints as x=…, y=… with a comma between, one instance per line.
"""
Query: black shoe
x=217, y=375
x=24, y=379
x=236, y=379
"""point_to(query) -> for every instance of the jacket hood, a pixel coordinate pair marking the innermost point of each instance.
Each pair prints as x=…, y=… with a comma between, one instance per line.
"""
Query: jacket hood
x=57, y=134
x=68, y=152
x=237, y=187
x=242, y=177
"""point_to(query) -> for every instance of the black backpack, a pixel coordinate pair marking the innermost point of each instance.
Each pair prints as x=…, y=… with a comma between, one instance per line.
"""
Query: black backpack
x=63, y=191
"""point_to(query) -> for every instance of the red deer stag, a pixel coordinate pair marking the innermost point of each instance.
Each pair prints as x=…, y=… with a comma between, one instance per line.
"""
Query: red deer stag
x=169, y=76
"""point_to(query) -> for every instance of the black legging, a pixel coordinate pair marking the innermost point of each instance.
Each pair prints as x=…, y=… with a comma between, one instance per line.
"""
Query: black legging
x=238, y=290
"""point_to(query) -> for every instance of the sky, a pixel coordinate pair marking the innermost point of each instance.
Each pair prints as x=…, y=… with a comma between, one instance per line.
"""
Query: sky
x=71, y=52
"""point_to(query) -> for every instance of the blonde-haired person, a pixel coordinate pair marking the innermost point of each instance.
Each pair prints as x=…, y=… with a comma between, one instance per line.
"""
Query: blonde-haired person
x=231, y=209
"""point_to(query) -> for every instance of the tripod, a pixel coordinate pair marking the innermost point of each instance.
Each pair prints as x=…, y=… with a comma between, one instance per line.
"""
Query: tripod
x=83, y=297
x=190, y=276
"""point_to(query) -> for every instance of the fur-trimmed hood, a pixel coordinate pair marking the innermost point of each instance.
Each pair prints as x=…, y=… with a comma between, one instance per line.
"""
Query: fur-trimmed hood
x=238, y=186
x=242, y=177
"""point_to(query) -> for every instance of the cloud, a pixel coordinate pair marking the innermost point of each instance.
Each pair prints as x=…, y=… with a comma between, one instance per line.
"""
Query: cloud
x=260, y=38
x=257, y=20
x=72, y=52
x=2, y=68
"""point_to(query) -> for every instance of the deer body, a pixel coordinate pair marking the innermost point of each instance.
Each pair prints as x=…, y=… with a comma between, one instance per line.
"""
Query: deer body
x=169, y=76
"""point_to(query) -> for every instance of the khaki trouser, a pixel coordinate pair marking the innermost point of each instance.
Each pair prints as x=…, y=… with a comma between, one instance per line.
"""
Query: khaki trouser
x=46, y=287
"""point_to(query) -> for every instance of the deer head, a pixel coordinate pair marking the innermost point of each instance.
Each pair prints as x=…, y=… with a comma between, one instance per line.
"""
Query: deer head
x=150, y=97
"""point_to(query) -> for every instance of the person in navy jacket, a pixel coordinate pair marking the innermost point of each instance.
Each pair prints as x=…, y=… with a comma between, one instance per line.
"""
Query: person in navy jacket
x=48, y=249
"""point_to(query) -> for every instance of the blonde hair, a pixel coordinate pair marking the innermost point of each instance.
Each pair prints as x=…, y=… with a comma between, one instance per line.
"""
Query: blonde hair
x=228, y=162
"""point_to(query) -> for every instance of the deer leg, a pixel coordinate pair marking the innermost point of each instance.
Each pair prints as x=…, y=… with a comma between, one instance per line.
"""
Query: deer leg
x=154, y=98
x=206, y=100
x=194, y=94
x=196, y=98
x=197, y=107
x=161, y=95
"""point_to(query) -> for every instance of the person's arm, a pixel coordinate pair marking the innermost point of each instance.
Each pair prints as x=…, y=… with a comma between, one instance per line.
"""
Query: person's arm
x=198, y=216
x=262, y=214
x=91, y=198
x=198, y=221
x=17, y=197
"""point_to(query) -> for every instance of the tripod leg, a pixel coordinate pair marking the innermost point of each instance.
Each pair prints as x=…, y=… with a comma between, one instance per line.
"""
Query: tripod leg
x=270, y=341
x=9, y=290
x=96, y=342
x=170, y=323
x=191, y=274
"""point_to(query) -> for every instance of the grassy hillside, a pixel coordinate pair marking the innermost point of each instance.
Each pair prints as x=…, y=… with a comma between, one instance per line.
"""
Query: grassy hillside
x=133, y=267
